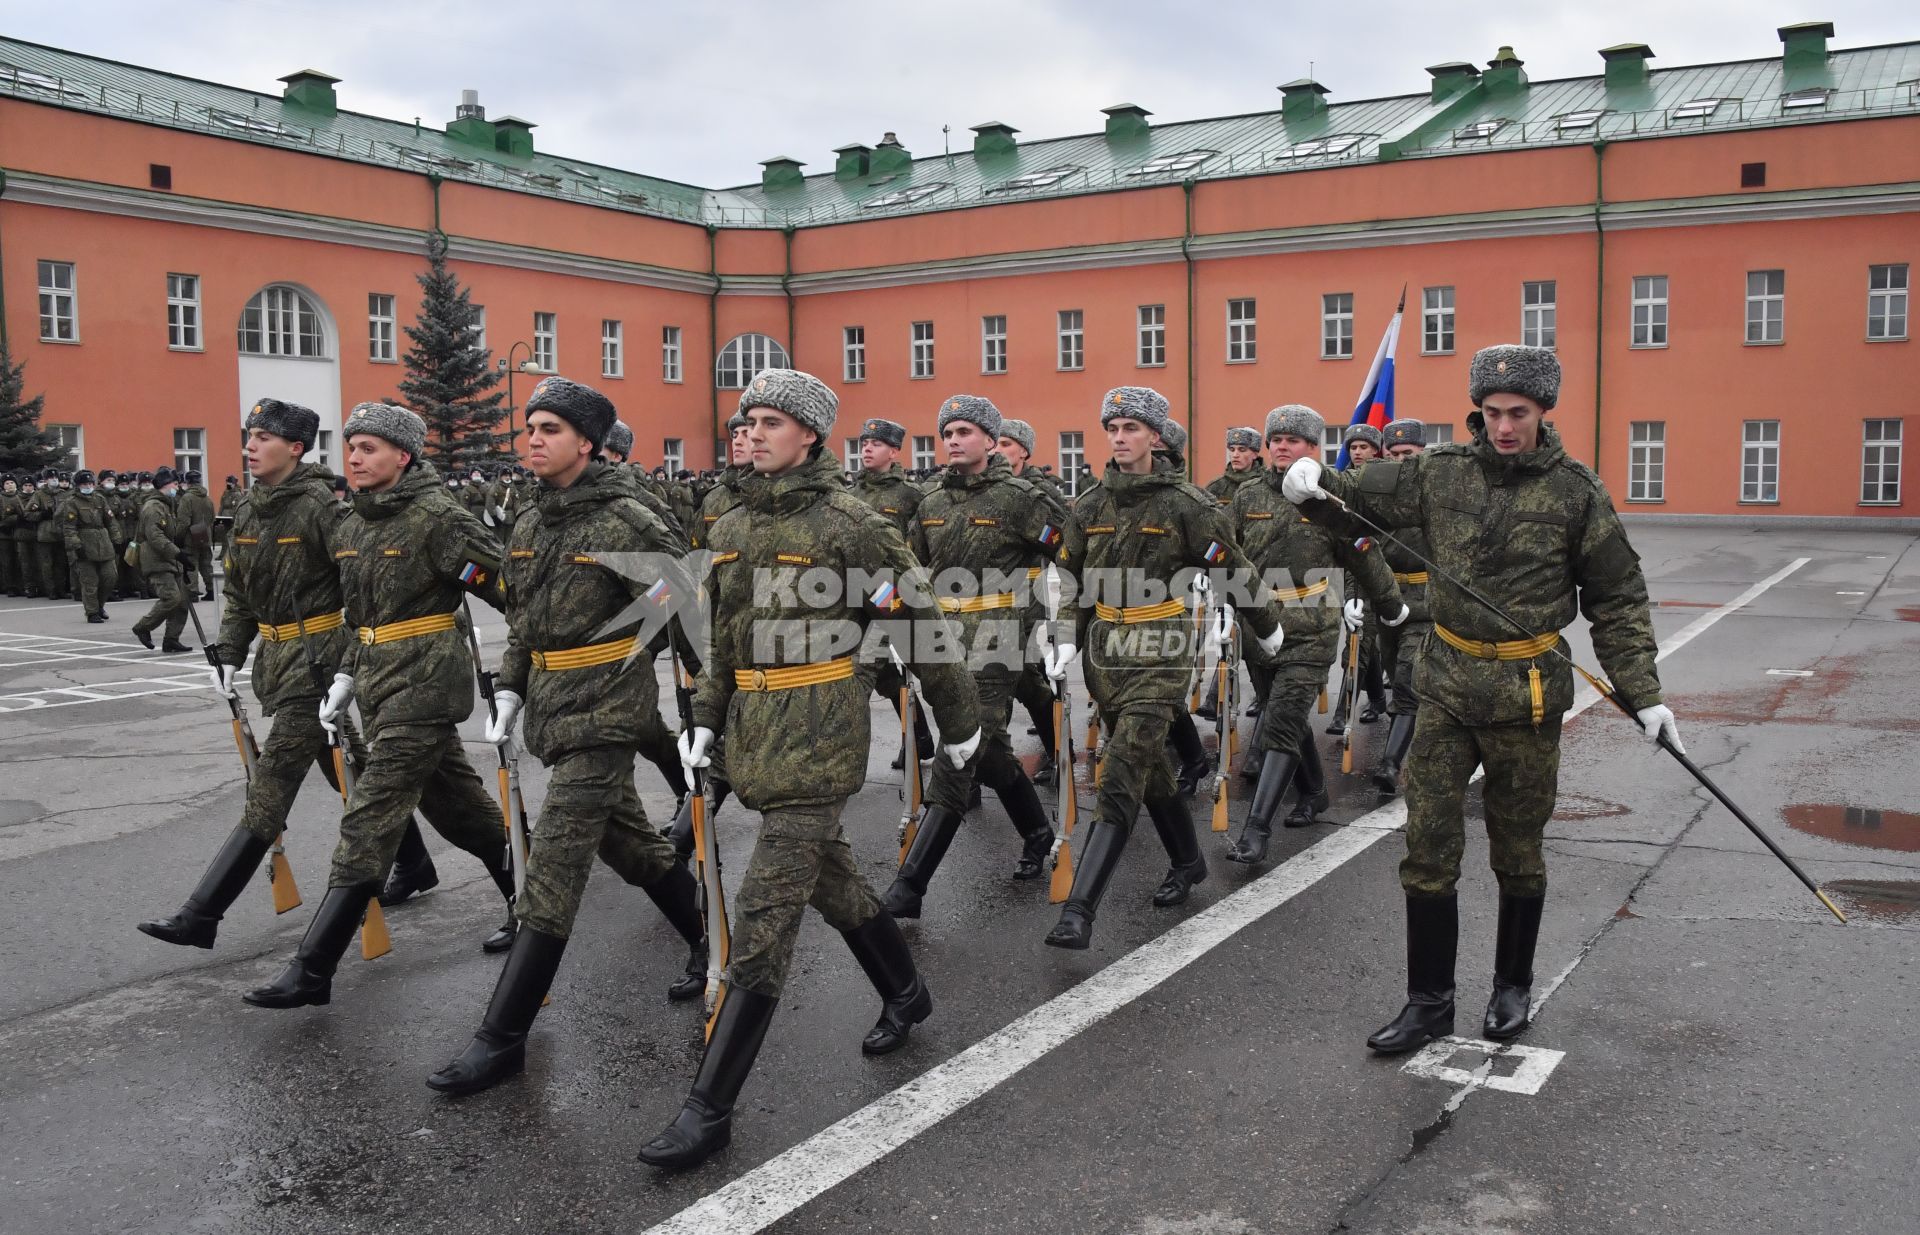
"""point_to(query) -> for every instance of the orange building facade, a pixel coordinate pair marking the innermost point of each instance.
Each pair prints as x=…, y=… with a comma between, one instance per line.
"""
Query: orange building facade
x=1729, y=303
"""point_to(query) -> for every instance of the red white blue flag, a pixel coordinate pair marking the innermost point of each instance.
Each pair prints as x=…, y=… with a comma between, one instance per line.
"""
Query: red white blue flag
x=1375, y=406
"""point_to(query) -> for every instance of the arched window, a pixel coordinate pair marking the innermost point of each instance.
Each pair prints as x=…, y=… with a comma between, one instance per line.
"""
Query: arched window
x=281, y=321
x=745, y=356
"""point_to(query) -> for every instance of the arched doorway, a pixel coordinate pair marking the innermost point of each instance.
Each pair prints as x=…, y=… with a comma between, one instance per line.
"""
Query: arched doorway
x=290, y=350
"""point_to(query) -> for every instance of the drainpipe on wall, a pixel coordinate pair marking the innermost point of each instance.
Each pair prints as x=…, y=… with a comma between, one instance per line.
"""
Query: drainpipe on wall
x=1186, y=255
x=713, y=337
x=3, y=281
x=1599, y=293
x=786, y=289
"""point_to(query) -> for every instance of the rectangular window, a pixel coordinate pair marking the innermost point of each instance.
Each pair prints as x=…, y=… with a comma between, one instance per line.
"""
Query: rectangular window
x=1537, y=313
x=670, y=354
x=1153, y=336
x=1436, y=321
x=73, y=441
x=59, y=313
x=1760, y=461
x=479, y=328
x=190, y=450
x=922, y=452
x=1073, y=457
x=673, y=454
x=1887, y=303
x=853, y=353
x=1073, y=339
x=611, y=362
x=993, y=344
x=183, y=312
x=1330, y=444
x=1766, y=307
x=850, y=455
x=1649, y=310
x=1242, y=340
x=381, y=340
x=1647, y=461
x=1336, y=326
x=1880, y=464
x=922, y=350
x=1438, y=435
x=546, y=342
x=322, y=447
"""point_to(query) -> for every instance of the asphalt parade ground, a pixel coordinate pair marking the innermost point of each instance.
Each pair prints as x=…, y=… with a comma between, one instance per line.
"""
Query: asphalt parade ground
x=1712, y=1052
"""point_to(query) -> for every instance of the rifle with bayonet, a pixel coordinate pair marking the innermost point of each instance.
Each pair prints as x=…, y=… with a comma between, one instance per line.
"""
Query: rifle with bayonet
x=375, y=942
x=706, y=855
x=513, y=808
x=1066, y=800
x=1228, y=710
x=911, y=789
x=1353, y=700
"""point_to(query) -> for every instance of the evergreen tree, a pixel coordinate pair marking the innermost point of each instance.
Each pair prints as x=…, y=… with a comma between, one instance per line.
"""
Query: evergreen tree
x=449, y=381
x=24, y=445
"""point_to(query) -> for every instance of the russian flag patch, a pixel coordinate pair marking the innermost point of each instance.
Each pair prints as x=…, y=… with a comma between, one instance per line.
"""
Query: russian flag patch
x=884, y=598
x=659, y=593
x=1049, y=536
x=473, y=574
x=1216, y=552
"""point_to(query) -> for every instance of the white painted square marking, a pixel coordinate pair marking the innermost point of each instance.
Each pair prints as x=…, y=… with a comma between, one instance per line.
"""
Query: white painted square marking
x=1532, y=1065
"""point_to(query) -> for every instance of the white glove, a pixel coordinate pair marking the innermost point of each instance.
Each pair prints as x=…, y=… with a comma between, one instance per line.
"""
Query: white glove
x=1222, y=627
x=960, y=752
x=1270, y=646
x=1658, y=720
x=1354, y=614
x=506, y=710
x=339, y=695
x=223, y=681
x=694, y=745
x=1058, y=657
x=1397, y=618
x=1302, y=481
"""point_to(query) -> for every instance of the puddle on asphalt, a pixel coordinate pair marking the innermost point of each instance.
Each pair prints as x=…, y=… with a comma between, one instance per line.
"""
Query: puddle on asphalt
x=1857, y=825
x=1884, y=899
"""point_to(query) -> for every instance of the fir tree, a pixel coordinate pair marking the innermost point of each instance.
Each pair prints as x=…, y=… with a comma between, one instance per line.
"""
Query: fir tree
x=449, y=381
x=24, y=445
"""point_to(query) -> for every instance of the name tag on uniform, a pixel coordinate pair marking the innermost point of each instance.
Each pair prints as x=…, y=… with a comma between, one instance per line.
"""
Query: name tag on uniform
x=1147, y=529
x=1259, y=514
x=889, y=510
x=978, y=521
x=393, y=553
x=721, y=559
x=286, y=540
x=1100, y=529
x=583, y=559
x=254, y=540
x=933, y=523
x=521, y=554
x=793, y=559
x=337, y=553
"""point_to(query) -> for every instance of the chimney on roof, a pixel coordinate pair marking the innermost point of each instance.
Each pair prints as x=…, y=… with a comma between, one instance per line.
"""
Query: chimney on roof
x=1126, y=122
x=512, y=135
x=890, y=158
x=851, y=162
x=1452, y=78
x=311, y=89
x=1805, y=47
x=1504, y=73
x=1302, y=100
x=993, y=140
x=470, y=122
x=780, y=173
x=1626, y=64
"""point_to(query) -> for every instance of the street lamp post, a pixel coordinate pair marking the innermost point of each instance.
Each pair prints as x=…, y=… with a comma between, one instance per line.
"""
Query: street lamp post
x=508, y=367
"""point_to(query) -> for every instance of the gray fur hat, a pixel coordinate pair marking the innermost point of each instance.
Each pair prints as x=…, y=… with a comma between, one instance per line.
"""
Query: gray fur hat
x=1514, y=369
x=1175, y=436
x=1407, y=432
x=736, y=422
x=1244, y=436
x=974, y=410
x=288, y=420
x=799, y=395
x=396, y=424
x=620, y=439
x=1019, y=430
x=583, y=407
x=886, y=432
x=1141, y=403
x=1363, y=433
x=1297, y=420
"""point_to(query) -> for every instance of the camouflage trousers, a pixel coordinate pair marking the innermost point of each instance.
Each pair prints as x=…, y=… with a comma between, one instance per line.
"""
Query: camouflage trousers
x=132, y=582
x=591, y=808
x=1523, y=775
x=203, y=567
x=411, y=767
x=993, y=765
x=1136, y=765
x=295, y=743
x=93, y=582
x=1400, y=649
x=51, y=560
x=802, y=859
x=1033, y=694
x=1286, y=715
x=169, y=607
x=13, y=580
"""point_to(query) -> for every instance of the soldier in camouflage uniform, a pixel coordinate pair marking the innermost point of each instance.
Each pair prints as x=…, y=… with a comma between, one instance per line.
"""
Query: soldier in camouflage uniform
x=882, y=484
x=163, y=560
x=591, y=700
x=1400, y=645
x=986, y=526
x=197, y=513
x=48, y=555
x=798, y=719
x=1244, y=464
x=87, y=523
x=1031, y=691
x=1183, y=736
x=724, y=494
x=1363, y=446
x=1535, y=532
x=1128, y=543
x=406, y=554
x=13, y=572
x=125, y=499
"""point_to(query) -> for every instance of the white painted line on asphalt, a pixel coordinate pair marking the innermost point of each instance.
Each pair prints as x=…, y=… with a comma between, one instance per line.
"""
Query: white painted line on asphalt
x=104, y=692
x=1849, y=593
x=1790, y=673
x=829, y=1157
x=1534, y=1064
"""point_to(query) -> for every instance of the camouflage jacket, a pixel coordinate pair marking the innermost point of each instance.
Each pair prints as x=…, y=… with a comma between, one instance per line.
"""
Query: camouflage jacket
x=161, y=534
x=1537, y=535
x=1292, y=552
x=474, y=497
x=561, y=596
x=280, y=573
x=39, y=513
x=1230, y=482
x=228, y=496
x=408, y=553
x=647, y=492
x=809, y=744
x=87, y=525
x=11, y=517
x=890, y=493
x=196, y=512
x=126, y=513
x=722, y=497
x=1412, y=540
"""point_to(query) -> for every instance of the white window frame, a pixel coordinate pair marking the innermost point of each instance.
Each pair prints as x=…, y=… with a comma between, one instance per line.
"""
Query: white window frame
x=1151, y=326
x=745, y=355
x=1438, y=435
x=1647, y=461
x=850, y=455
x=183, y=313
x=613, y=362
x=479, y=328
x=322, y=448
x=59, y=303
x=1070, y=334
x=1330, y=436
x=672, y=356
x=1647, y=325
x=189, y=451
x=281, y=316
x=924, y=455
x=853, y=353
x=1880, y=460
x=1540, y=313
x=1766, y=308
x=383, y=328
x=73, y=439
x=1437, y=335
x=993, y=343
x=1760, y=463
x=1073, y=456
x=920, y=344
x=1888, y=300
x=546, y=342
x=1336, y=326
x=1243, y=330
x=673, y=455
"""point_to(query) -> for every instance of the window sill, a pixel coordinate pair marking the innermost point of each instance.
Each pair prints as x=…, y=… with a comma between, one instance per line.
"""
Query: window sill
x=993, y=373
x=1647, y=501
x=1247, y=360
x=1892, y=338
x=295, y=359
x=672, y=381
x=1759, y=501
x=61, y=342
x=187, y=350
x=1448, y=352
x=1160, y=365
x=845, y=381
x=1079, y=368
x=1647, y=347
x=1765, y=343
x=1325, y=357
x=1881, y=505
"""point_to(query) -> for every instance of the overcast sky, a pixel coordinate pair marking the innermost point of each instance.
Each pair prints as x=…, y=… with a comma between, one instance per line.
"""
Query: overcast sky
x=703, y=92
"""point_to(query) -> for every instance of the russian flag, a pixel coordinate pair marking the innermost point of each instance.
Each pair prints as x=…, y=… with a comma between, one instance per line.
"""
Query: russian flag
x=1375, y=406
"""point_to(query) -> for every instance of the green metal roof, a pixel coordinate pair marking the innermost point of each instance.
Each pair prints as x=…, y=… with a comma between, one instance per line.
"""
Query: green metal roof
x=1861, y=82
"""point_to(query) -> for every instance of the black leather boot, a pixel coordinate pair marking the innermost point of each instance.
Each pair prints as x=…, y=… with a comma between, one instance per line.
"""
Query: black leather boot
x=413, y=870
x=1508, y=1012
x=198, y=920
x=680, y=831
x=1433, y=936
x=1312, y=781
x=677, y=896
x=1276, y=773
x=309, y=978
x=1093, y=868
x=937, y=828
x=905, y=1001
x=704, y=1125
x=1386, y=774
x=499, y=1050
x=502, y=937
x=1030, y=820
x=1173, y=820
x=1185, y=739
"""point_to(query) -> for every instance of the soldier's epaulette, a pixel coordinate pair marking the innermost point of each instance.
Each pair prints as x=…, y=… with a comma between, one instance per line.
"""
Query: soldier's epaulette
x=861, y=515
x=638, y=516
x=1198, y=494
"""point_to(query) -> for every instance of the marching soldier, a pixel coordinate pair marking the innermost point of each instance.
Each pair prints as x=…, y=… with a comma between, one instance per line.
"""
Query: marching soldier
x=1129, y=539
x=196, y=511
x=88, y=526
x=882, y=484
x=1363, y=443
x=724, y=494
x=1535, y=532
x=1031, y=691
x=1243, y=464
x=1183, y=736
x=405, y=554
x=796, y=717
x=1400, y=645
x=163, y=560
x=590, y=701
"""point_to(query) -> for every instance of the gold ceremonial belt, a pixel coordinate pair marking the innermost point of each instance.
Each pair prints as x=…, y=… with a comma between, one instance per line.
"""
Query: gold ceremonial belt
x=1299, y=593
x=976, y=604
x=314, y=625
x=1517, y=649
x=586, y=657
x=410, y=629
x=1140, y=613
x=794, y=675
x=1418, y=576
